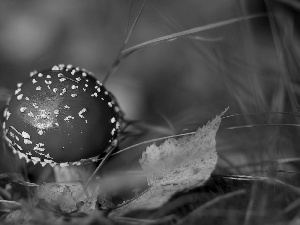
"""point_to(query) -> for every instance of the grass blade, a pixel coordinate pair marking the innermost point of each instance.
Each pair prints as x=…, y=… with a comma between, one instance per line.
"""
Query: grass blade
x=199, y=211
x=174, y=36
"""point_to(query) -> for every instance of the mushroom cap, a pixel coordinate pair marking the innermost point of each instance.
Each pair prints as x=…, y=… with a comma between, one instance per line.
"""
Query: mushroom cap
x=62, y=116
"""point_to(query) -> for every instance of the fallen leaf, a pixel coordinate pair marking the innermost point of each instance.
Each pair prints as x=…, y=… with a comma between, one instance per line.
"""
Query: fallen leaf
x=18, y=217
x=89, y=203
x=66, y=197
x=176, y=165
x=7, y=206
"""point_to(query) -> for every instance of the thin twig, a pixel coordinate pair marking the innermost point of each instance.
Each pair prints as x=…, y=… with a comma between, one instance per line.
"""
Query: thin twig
x=117, y=61
x=108, y=154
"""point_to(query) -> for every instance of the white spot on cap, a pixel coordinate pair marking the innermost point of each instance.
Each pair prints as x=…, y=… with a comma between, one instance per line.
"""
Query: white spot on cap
x=113, y=120
x=110, y=104
x=17, y=91
x=54, y=90
x=67, y=107
x=62, y=79
x=19, y=147
x=60, y=75
x=68, y=118
x=61, y=66
x=19, y=85
x=83, y=110
x=73, y=72
x=39, y=147
x=27, y=142
x=38, y=88
x=33, y=73
x=43, y=163
x=55, y=68
x=48, y=156
x=94, y=94
x=63, y=91
x=34, y=81
x=40, y=75
x=35, y=160
x=7, y=114
x=56, y=112
x=113, y=131
x=22, y=109
x=48, y=77
x=12, y=134
x=50, y=162
x=30, y=114
x=48, y=81
x=19, y=97
x=86, y=85
x=74, y=87
x=27, y=98
x=69, y=66
x=78, y=78
x=40, y=132
x=73, y=95
x=84, y=74
x=25, y=135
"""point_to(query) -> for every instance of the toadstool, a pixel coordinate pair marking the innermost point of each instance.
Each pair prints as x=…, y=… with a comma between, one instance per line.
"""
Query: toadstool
x=62, y=116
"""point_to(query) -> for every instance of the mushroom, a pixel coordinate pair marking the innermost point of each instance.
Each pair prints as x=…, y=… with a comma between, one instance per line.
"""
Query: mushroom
x=62, y=116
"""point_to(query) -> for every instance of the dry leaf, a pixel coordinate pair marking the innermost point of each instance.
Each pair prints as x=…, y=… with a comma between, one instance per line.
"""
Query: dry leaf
x=89, y=204
x=66, y=196
x=176, y=165
x=7, y=206
x=19, y=216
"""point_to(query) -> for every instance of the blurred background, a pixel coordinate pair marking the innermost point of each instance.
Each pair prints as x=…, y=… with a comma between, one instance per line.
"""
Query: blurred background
x=174, y=87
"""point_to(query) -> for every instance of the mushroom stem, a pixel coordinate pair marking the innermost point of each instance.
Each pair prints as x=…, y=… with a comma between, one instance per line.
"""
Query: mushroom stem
x=73, y=173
